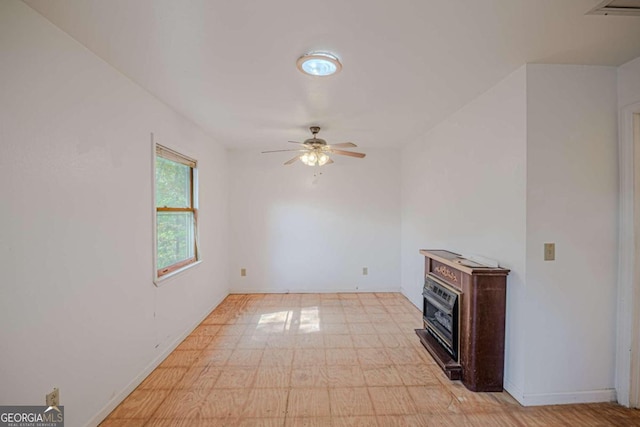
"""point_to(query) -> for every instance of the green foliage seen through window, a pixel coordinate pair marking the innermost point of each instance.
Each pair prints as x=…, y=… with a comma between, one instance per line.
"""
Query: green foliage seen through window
x=174, y=230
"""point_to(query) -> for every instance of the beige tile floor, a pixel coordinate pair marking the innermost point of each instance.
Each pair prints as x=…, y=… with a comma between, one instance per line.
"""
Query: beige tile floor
x=324, y=360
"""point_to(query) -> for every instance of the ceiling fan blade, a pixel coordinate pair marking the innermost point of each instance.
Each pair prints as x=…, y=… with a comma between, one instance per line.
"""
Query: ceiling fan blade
x=288, y=162
x=348, y=153
x=279, y=151
x=344, y=145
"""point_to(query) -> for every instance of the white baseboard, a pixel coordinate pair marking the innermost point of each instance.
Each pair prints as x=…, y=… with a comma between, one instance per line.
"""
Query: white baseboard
x=310, y=291
x=539, y=399
x=118, y=398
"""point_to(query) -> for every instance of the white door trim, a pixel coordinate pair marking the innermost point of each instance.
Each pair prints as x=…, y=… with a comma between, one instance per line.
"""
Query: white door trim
x=627, y=328
x=634, y=388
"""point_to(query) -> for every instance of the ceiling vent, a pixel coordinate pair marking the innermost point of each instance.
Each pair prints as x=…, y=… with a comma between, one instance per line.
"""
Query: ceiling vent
x=617, y=7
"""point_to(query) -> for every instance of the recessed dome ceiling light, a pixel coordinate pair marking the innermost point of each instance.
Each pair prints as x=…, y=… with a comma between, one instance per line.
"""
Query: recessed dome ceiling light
x=319, y=64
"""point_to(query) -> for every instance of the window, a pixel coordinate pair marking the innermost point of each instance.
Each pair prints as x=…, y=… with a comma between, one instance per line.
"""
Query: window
x=176, y=211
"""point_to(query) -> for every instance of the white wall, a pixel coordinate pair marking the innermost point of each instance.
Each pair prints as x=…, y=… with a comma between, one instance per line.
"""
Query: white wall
x=629, y=83
x=572, y=186
x=294, y=234
x=532, y=160
x=463, y=189
x=78, y=308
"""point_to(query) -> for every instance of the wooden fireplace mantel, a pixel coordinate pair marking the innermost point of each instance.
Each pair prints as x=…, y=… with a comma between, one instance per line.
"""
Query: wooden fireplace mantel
x=480, y=363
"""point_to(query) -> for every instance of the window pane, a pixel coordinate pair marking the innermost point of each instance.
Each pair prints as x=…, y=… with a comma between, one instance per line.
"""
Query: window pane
x=173, y=184
x=175, y=237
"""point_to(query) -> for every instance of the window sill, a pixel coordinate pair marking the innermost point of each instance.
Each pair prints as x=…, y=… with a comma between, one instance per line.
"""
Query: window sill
x=161, y=281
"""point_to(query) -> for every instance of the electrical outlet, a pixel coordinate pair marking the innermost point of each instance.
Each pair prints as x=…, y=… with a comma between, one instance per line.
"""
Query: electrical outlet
x=243, y=272
x=365, y=271
x=549, y=251
x=53, y=398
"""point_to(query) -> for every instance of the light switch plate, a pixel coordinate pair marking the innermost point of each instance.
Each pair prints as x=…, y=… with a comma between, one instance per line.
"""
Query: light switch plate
x=549, y=251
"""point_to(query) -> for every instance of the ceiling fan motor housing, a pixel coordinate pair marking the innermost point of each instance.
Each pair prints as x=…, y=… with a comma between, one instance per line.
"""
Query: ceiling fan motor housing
x=315, y=142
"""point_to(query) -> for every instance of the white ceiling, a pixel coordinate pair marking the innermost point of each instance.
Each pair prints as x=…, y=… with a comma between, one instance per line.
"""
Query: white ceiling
x=230, y=65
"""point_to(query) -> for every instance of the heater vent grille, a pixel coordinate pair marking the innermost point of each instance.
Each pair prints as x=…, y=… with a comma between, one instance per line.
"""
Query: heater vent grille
x=617, y=7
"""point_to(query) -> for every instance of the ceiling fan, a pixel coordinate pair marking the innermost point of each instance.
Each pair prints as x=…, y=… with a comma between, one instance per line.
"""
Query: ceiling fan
x=316, y=151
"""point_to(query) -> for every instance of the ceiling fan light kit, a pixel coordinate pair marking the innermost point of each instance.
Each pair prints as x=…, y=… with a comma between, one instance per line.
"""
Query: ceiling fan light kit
x=319, y=64
x=314, y=158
